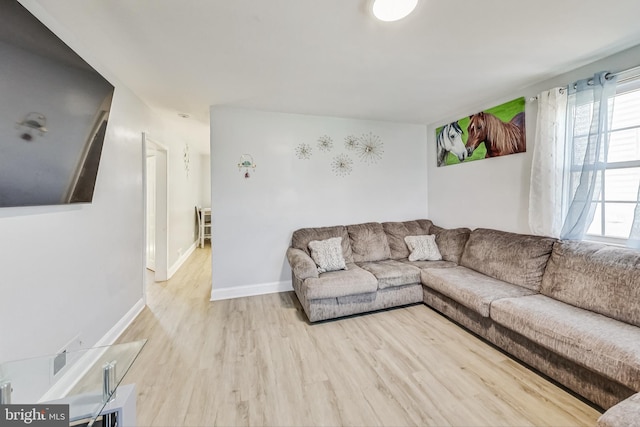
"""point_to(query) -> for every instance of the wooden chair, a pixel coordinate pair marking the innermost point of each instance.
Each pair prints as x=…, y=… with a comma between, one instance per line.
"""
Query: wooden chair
x=204, y=224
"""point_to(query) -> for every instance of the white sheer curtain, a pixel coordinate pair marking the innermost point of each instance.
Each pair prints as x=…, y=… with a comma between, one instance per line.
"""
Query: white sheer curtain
x=547, y=170
x=634, y=236
x=589, y=116
x=569, y=158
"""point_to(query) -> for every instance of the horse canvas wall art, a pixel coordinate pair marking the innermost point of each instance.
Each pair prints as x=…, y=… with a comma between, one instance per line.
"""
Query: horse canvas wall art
x=494, y=132
x=449, y=140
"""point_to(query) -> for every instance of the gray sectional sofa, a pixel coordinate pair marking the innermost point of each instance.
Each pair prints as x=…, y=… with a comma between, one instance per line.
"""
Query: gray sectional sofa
x=569, y=309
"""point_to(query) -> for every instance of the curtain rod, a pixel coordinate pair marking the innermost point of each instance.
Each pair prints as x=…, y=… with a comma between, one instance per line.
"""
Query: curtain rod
x=635, y=70
x=608, y=76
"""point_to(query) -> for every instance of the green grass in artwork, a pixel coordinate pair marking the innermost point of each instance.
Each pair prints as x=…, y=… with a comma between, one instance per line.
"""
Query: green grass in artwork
x=504, y=112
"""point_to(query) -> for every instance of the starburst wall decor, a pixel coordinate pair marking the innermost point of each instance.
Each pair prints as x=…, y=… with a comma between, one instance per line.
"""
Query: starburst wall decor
x=370, y=148
x=351, y=142
x=342, y=165
x=325, y=143
x=304, y=151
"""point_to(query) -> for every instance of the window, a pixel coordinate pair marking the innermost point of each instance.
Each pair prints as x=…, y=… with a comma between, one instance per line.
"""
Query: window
x=619, y=193
x=586, y=163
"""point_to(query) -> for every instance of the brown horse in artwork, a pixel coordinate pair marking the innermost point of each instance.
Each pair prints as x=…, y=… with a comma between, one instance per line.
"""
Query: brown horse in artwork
x=499, y=138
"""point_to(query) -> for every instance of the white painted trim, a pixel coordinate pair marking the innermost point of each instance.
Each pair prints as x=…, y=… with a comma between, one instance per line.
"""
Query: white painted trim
x=162, y=206
x=250, y=290
x=114, y=333
x=176, y=265
x=143, y=146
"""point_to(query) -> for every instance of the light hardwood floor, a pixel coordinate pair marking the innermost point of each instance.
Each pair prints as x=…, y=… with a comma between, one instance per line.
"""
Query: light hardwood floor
x=257, y=361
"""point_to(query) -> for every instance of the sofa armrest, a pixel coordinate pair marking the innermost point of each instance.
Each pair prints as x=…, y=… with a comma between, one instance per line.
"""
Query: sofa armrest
x=625, y=413
x=302, y=265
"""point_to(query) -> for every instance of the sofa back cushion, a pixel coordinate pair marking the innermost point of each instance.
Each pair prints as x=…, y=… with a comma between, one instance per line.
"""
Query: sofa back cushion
x=303, y=236
x=515, y=258
x=368, y=242
x=397, y=231
x=451, y=242
x=596, y=277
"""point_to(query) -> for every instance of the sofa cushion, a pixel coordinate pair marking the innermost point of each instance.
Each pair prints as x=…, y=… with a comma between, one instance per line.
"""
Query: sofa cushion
x=470, y=288
x=429, y=264
x=515, y=258
x=596, y=277
x=327, y=254
x=368, y=242
x=423, y=248
x=397, y=231
x=302, y=265
x=605, y=345
x=341, y=283
x=451, y=242
x=391, y=273
x=625, y=413
x=302, y=237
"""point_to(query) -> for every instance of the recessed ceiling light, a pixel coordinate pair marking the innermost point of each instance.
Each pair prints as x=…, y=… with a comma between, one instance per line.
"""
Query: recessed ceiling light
x=184, y=115
x=393, y=10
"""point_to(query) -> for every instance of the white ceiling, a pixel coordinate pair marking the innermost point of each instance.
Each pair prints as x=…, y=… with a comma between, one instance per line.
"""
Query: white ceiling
x=331, y=57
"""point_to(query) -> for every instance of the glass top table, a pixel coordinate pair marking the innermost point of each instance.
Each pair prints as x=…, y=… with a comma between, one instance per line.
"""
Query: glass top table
x=86, y=380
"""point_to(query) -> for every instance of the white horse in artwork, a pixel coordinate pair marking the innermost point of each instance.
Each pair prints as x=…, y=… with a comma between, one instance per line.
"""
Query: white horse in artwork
x=449, y=139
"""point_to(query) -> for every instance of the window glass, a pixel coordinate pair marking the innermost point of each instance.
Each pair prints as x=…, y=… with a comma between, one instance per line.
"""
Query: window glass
x=625, y=110
x=621, y=184
x=615, y=209
x=623, y=145
x=618, y=219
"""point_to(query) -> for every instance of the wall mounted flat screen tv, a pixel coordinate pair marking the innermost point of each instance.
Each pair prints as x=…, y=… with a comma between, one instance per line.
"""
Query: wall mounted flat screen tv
x=54, y=109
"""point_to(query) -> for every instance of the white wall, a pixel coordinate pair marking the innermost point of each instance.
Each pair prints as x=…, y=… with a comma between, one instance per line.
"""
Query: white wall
x=494, y=193
x=76, y=270
x=205, y=191
x=253, y=219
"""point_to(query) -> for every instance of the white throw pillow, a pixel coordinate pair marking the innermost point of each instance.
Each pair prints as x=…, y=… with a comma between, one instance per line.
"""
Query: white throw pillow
x=327, y=254
x=423, y=248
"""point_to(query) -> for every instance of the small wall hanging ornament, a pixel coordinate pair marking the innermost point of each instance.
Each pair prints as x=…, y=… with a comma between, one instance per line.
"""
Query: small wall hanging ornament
x=370, y=148
x=304, y=151
x=186, y=157
x=325, y=143
x=246, y=162
x=342, y=165
x=351, y=142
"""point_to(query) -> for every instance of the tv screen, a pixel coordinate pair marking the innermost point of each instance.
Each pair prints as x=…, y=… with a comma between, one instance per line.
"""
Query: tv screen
x=54, y=109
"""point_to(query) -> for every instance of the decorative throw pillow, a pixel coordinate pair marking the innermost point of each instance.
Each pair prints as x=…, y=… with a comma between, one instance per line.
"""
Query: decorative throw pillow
x=327, y=254
x=423, y=248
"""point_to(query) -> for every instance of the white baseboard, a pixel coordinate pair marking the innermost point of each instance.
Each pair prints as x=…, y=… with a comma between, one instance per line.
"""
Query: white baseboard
x=112, y=335
x=75, y=371
x=176, y=265
x=250, y=290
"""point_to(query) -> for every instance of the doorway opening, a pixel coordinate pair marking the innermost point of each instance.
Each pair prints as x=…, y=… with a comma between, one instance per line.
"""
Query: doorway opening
x=156, y=231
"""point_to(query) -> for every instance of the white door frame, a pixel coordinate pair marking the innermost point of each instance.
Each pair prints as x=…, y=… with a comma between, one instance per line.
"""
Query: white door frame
x=151, y=209
x=162, y=204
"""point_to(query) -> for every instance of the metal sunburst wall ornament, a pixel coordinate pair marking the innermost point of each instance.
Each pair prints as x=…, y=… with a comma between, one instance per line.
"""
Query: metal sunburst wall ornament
x=325, y=143
x=370, y=148
x=351, y=142
x=342, y=165
x=304, y=151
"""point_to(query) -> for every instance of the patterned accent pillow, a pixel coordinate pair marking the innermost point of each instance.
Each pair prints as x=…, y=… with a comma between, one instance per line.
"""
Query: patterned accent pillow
x=327, y=254
x=423, y=248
